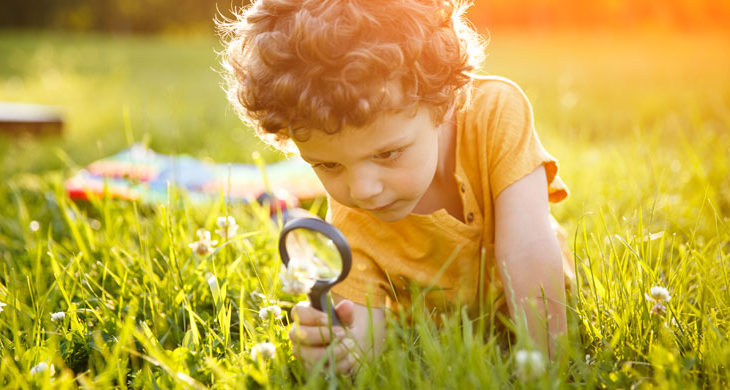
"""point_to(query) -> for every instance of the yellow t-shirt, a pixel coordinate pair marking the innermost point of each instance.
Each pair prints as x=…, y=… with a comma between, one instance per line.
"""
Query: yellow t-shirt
x=496, y=145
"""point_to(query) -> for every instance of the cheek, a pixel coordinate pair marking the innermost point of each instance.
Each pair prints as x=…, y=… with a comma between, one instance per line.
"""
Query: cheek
x=336, y=188
x=415, y=174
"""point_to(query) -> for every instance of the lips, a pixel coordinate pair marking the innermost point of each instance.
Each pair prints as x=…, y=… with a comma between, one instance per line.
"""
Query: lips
x=381, y=208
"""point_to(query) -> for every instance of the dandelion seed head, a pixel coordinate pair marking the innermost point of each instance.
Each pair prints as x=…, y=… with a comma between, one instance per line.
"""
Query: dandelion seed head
x=265, y=351
x=34, y=226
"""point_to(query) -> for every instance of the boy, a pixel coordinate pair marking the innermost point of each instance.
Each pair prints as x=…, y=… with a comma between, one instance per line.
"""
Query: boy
x=427, y=167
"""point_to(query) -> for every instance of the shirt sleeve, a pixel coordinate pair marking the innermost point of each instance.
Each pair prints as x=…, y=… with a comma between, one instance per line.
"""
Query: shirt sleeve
x=513, y=147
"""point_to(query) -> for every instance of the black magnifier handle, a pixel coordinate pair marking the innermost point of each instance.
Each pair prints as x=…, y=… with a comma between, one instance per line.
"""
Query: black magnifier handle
x=322, y=301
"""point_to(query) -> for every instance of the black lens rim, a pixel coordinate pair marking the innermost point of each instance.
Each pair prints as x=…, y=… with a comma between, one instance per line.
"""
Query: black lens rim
x=330, y=232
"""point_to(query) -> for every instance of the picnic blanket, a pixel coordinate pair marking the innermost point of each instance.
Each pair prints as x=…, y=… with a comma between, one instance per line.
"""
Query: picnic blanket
x=140, y=174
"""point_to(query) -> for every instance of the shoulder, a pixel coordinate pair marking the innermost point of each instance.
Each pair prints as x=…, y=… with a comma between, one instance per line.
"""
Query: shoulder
x=494, y=107
x=490, y=93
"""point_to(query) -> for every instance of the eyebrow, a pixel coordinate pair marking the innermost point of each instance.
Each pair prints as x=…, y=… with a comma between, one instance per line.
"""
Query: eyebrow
x=395, y=144
x=309, y=159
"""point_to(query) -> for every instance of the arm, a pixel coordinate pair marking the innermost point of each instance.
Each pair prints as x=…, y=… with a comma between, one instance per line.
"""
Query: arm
x=529, y=259
x=362, y=338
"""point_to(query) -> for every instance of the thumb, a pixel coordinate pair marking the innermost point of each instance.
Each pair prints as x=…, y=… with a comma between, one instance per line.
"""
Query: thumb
x=346, y=312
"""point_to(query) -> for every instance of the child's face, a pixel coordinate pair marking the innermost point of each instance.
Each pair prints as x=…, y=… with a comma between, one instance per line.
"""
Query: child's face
x=384, y=168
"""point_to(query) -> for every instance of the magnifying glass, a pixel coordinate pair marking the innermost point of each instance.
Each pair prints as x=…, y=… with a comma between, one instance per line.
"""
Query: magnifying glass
x=324, y=250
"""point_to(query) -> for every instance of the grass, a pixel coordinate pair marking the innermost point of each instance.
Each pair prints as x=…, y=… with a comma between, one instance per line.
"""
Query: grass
x=639, y=121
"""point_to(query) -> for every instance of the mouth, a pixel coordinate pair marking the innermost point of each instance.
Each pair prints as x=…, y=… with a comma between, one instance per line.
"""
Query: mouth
x=381, y=208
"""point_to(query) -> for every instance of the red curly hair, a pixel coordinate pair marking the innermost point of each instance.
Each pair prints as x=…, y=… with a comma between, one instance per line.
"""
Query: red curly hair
x=326, y=64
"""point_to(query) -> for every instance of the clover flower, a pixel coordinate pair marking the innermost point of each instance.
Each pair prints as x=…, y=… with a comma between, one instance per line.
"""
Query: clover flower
x=228, y=227
x=529, y=364
x=34, y=226
x=658, y=309
x=255, y=295
x=265, y=350
x=2, y=304
x=658, y=294
x=43, y=367
x=213, y=284
x=204, y=245
x=95, y=224
x=270, y=312
x=298, y=277
x=58, y=316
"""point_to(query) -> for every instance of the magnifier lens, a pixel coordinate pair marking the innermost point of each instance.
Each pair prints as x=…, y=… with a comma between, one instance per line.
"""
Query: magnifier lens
x=322, y=255
x=317, y=250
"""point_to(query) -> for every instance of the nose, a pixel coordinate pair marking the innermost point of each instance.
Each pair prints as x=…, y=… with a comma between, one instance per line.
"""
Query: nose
x=365, y=185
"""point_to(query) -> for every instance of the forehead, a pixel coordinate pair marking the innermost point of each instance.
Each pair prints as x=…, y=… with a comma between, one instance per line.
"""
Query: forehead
x=388, y=130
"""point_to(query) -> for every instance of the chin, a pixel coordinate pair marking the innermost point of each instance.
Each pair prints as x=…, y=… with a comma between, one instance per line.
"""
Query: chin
x=391, y=215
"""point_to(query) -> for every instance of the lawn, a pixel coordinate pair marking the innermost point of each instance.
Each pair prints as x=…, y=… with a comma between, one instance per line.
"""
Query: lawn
x=640, y=122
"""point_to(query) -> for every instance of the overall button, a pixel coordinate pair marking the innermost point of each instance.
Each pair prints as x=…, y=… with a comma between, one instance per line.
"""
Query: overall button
x=470, y=217
x=463, y=187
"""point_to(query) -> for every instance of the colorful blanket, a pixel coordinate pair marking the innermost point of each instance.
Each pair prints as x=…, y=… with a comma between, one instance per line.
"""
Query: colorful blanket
x=138, y=173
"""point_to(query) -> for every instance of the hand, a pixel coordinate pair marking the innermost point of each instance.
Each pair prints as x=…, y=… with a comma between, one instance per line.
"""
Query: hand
x=312, y=340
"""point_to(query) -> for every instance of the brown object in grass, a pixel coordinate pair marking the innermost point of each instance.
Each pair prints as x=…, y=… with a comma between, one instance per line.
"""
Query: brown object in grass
x=35, y=119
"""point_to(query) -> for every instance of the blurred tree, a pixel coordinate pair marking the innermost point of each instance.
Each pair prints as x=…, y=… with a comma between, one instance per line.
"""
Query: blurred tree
x=114, y=15
x=166, y=15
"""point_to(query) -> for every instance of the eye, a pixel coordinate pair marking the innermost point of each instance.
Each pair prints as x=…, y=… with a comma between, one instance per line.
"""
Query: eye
x=389, y=155
x=328, y=166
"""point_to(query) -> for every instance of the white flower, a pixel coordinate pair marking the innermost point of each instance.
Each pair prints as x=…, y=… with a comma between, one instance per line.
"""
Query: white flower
x=58, y=316
x=658, y=294
x=34, y=226
x=264, y=350
x=227, y=227
x=529, y=364
x=204, y=245
x=255, y=295
x=653, y=236
x=95, y=224
x=269, y=312
x=213, y=284
x=2, y=304
x=298, y=277
x=43, y=367
x=658, y=309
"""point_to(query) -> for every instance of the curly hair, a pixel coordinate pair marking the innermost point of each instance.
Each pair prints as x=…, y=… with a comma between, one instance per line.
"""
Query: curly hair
x=293, y=65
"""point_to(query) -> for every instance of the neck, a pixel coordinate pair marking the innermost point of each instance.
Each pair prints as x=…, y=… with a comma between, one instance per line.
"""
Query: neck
x=447, y=145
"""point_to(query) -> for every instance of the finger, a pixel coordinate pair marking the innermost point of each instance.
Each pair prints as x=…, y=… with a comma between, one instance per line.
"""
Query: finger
x=337, y=352
x=315, y=335
x=346, y=312
x=347, y=365
x=305, y=314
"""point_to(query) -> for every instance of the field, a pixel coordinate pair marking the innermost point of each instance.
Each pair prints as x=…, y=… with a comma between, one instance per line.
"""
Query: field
x=640, y=122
